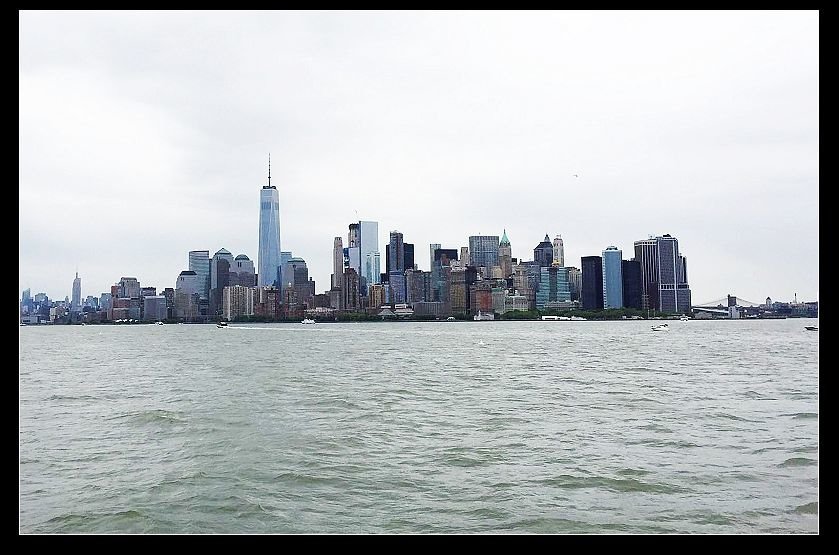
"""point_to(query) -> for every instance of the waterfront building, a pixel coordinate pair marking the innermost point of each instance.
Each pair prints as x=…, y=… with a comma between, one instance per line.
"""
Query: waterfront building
x=612, y=277
x=591, y=296
x=350, y=290
x=553, y=288
x=154, y=308
x=187, y=295
x=664, y=283
x=238, y=301
x=268, y=259
x=631, y=276
x=337, y=263
x=575, y=282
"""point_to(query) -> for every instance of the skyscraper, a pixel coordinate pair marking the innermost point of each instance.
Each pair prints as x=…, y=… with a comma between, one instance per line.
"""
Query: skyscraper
x=483, y=250
x=369, y=244
x=664, y=284
x=591, y=296
x=409, y=255
x=270, y=272
x=505, y=256
x=559, y=251
x=544, y=252
x=612, y=278
x=631, y=276
x=76, y=304
x=673, y=290
x=432, y=247
x=396, y=267
x=199, y=262
x=337, y=263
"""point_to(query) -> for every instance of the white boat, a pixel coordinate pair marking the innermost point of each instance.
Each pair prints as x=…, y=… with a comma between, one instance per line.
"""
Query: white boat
x=221, y=325
x=660, y=327
x=684, y=318
x=451, y=319
x=308, y=321
x=159, y=323
x=484, y=316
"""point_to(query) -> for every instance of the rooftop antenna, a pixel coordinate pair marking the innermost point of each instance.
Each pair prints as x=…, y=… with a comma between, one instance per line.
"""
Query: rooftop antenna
x=269, y=169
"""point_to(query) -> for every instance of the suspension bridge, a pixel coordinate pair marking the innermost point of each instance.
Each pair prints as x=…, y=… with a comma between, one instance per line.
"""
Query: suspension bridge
x=723, y=305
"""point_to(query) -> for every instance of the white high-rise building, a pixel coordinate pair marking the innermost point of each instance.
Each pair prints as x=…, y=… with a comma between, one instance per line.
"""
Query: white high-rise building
x=270, y=267
x=369, y=244
x=559, y=252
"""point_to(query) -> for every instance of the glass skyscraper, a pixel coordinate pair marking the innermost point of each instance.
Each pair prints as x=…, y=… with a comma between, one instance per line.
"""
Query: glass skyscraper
x=270, y=268
x=612, y=278
x=199, y=262
x=483, y=250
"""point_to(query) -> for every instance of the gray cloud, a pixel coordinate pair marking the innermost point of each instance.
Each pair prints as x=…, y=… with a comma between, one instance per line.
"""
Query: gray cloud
x=145, y=135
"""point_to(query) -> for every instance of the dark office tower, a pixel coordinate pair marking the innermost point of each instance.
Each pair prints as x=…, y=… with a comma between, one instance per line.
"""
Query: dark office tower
x=646, y=254
x=349, y=290
x=439, y=285
x=544, y=252
x=483, y=251
x=592, y=293
x=409, y=255
x=395, y=258
x=631, y=273
x=673, y=290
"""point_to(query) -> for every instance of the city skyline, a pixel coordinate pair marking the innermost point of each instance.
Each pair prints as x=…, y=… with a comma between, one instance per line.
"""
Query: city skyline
x=124, y=169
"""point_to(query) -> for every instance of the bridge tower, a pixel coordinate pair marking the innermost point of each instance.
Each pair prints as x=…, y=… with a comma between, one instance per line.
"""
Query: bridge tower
x=733, y=313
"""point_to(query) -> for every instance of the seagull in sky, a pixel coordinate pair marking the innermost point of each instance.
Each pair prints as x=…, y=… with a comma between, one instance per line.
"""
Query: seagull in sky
x=576, y=175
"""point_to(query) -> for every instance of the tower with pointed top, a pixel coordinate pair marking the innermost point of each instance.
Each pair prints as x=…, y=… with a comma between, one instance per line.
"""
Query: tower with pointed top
x=544, y=252
x=270, y=268
x=76, y=304
x=505, y=256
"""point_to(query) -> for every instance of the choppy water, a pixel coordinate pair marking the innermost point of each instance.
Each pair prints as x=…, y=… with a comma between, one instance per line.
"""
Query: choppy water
x=543, y=427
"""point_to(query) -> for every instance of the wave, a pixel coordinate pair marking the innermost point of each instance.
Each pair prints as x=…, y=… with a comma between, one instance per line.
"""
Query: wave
x=798, y=461
x=808, y=509
x=614, y=484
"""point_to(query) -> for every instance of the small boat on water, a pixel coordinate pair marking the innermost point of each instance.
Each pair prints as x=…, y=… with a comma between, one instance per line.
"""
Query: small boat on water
x=684, y=318
x=451, y=319
x=159, y=323
x=480, y=316
x=811, y=328
x=221, y=325
x=660, y=327
x=308, y=321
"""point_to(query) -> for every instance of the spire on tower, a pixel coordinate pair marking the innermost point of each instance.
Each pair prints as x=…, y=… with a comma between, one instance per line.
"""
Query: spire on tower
x=269, y=169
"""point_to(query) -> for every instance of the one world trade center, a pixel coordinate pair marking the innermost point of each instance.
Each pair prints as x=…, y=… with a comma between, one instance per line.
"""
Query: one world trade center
x=269, y=235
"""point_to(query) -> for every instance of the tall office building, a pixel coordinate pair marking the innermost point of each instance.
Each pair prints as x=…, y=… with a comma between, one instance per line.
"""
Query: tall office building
x=544, y=252
x=220, y=266
x=591, y=296
x=432, y=247
x=337, y=263
x=575, y=282
x=76, y=303
x=483, y=250
x=369, y=244
x=612, y=278
x=505, y=256
x=409, y=255
x=270, y=266
x=631, y=276
x=673, y=289
x=554, y=289
x=199, y=262
x=373, y=268
x=559, y=251
x=664, y=285
x=646, y=253
x=395, y=253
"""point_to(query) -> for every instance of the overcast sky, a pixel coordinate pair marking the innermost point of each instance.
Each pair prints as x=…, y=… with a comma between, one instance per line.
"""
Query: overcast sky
x=145, y=135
